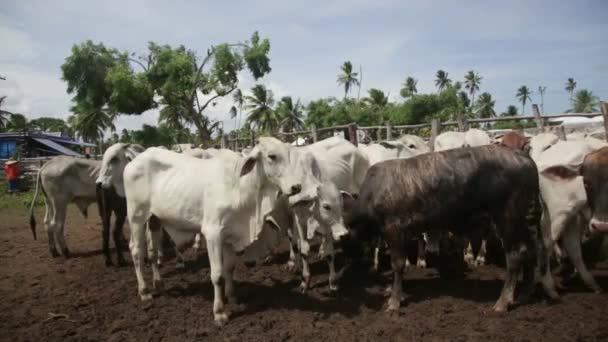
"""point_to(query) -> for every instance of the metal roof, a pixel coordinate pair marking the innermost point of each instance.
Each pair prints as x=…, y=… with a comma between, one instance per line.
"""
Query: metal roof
x=55, y=146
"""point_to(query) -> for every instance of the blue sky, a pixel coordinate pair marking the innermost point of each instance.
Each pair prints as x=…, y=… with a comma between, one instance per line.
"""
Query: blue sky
x=510, y=43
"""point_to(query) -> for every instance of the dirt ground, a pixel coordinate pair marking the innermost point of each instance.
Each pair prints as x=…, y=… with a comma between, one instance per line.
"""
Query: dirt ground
x=101, y=303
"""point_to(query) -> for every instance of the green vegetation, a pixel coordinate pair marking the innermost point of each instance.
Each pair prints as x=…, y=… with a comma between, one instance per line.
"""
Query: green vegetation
x=21, y=200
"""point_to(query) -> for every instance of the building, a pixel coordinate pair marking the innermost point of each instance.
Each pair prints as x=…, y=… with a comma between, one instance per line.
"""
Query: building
x=39, y=144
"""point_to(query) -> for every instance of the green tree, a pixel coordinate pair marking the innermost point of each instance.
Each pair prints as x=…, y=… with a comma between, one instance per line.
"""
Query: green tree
x=409, y=87
x=18, y=122
x=104, y=79
x=442, y=81
x=348, y=78
x=125, y=136
x=49, y=124
x=318, y=112
x=261, y=114
x=511, y=111
x=570, y=86
x=290, y=114
x=150, y=136
x=89, y=123
x=485, y=106
x=472, y=81
x=376, y=97
x=584, y=102
x=523, y=95
x=4, y=115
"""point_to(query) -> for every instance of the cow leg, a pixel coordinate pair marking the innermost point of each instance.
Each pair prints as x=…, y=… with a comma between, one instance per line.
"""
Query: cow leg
x=105, y=234
x=397, y=248
x=329, y=254
x=138, y=246
x=421, y=262
x=214, y=251
x=197, y=242
x=155, y=231
x=469, y=258
x=229, y=263
x=572, y=244
x=481, y=255
x=552, y=230
x=117, y=236
x=59, y=234
x=50, y=222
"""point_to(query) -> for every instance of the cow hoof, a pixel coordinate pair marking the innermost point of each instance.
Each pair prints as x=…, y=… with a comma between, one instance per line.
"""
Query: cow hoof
x=221, y=319
x=122, y=262
x=303, y=287
x=157, y=285
x=249, y=264
x=54, y=254
x=393, y=305
x=291, y=266
x=145, y=297
x=109, y=262
x=66, y=253
x=333, y=287
x=500, y=307
x=598, y=291
x=480, y=261
x=421, y=264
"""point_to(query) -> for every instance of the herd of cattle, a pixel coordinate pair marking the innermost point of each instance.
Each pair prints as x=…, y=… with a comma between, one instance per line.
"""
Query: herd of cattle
x=539, y=194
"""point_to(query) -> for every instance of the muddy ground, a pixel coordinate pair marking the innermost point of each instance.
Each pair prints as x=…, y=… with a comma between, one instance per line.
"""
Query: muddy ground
x=101, y=304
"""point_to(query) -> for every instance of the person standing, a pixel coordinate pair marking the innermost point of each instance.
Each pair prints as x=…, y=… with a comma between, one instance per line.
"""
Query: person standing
x=11, y=168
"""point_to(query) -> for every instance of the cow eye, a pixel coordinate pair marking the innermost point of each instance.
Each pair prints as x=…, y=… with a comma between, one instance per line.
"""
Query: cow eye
x=326, y=206
x=114, y=160
x=272, y=157
x=412, y=146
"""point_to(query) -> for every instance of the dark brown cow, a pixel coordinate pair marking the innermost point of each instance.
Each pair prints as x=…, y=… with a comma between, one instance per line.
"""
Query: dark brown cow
x=402, y=198
x=109, y=202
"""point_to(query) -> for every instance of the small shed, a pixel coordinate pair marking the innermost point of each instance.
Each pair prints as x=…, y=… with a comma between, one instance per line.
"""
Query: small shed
x=30, y=144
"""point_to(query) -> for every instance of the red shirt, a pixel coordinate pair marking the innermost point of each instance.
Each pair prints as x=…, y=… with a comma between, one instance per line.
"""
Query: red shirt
x=12, y=171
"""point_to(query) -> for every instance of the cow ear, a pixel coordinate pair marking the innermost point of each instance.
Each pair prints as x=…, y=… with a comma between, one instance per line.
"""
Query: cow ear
x=558, y=172
x=389, y=144
x=313, y=165
x=248, y=165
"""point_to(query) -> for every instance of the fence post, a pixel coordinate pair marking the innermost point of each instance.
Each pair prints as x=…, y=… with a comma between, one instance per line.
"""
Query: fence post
x=352, y=133
x=252, y=139
x=389, y=131
x=313, y=132
x=540, y=124
x=224, y=141
x=462, y=123
x=378, y=134
x=435, y=129
x=561, y=133
x=604, y=108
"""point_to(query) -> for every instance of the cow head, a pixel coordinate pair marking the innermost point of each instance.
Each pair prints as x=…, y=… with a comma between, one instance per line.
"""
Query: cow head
x=540, y=143
x=114, y=161
x=594, y=172
x=271, y=157
x=515, y=141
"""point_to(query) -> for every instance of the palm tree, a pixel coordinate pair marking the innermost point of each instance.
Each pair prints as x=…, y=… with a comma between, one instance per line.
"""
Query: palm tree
x=261, y=114
x=442, y=81
x=290, y=114
x=541, y=91
x=472, y=80
x=409, y=87
x=523, y=94
x=237, y=98
x=4, y=115
x=347, y=78
x=173, y=118
x=570, y=86
x=90, y=123
x=376, y=97
x=511, y=111
x=485, y=106
x=584, y=102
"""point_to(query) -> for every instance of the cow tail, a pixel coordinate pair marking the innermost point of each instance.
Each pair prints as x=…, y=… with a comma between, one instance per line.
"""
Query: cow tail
x=32, y=217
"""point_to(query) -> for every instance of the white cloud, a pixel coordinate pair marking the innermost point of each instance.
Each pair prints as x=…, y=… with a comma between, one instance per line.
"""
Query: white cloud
x=17, y=45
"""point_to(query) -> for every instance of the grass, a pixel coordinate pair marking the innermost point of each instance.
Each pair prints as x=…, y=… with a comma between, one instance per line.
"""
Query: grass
x=22, y=200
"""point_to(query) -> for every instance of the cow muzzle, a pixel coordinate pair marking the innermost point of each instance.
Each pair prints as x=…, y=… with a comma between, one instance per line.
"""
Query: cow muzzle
x=338, y=231
x=598, y=226
x=292, y=189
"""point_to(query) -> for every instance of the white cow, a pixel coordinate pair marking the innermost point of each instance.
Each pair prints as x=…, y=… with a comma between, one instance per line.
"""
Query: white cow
x=64, y=180
x=565, y=209
x=540, y=143
x=317, y=209
x=226, y=203
x=405, y=147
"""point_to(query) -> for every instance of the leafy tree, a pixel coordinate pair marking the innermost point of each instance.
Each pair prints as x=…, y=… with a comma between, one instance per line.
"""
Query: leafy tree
x=125, y=136
x=442, y=81
x=348, y=78
x=376, y=97
x=4, y=115
x=584, y=102
x=318, y=112
x=290, y=114
x=89, y=123
x=511, y=111
x=49, y=124
x=261, y=114
x=409, y=87
x=103, y=79
x=150, y=136
x=18, y=122
x=570, y=86
x=513, y=124
x=485, y=106
x=523, y=94
x=472, y=83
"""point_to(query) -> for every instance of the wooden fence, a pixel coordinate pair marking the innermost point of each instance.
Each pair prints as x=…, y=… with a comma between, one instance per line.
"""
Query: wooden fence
x=352, y=131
